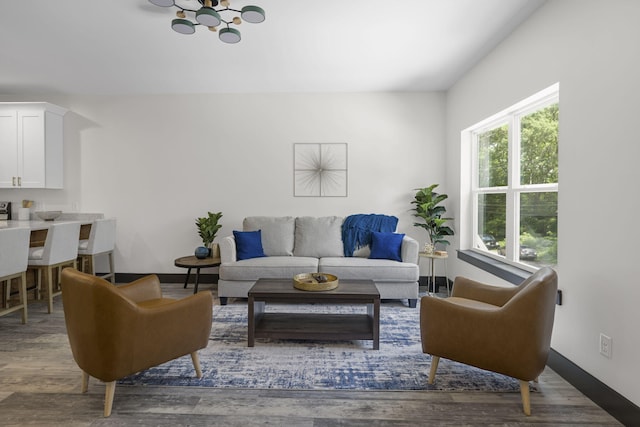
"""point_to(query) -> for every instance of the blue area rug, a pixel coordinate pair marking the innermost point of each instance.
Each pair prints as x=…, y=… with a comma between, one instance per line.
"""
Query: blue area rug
x=314, y=365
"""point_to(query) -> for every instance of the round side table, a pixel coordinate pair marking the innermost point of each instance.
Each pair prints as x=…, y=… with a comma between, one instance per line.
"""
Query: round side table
x=197, y=263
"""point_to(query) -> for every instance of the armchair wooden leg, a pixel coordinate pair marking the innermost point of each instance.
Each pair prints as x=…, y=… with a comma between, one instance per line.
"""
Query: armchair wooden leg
x=108, y=397
x=524, y=392
x=434, y=367
x=196, y=363
x=85, y=382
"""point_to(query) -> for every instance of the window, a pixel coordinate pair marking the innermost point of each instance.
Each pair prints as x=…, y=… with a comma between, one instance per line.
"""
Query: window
x=514, y=182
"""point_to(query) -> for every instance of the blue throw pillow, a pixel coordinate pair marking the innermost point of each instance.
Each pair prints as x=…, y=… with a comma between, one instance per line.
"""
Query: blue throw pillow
x=386, y=246
x=248, y=244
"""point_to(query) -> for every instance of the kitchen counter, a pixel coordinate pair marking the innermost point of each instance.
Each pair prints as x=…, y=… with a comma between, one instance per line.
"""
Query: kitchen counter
x=38, y=224
x=39, y=228
x=33, y=225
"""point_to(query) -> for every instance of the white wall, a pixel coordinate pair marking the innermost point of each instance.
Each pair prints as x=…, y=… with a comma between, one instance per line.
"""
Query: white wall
x=158, y=162
x=591, y=48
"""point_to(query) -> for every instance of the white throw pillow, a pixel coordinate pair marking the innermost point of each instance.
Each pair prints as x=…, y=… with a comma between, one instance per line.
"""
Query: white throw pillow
x=319, y=237
x=277, y=233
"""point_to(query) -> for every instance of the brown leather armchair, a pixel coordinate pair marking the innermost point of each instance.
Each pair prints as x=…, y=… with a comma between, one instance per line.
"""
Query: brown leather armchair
x=116, y=331
x=500, y=329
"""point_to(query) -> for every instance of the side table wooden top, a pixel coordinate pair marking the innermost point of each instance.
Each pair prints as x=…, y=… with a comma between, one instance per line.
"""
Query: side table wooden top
x=434, y=256
x=192, y=262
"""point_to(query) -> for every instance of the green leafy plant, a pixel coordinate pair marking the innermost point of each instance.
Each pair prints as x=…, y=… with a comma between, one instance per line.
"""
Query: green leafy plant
x=208, y=227
x=428, y=208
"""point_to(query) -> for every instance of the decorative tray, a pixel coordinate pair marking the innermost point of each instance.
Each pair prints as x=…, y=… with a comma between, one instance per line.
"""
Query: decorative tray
x=315, y=281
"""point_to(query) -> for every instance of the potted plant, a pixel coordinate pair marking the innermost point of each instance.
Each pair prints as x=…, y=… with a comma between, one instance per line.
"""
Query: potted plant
x=428, y=208
x=207, y=229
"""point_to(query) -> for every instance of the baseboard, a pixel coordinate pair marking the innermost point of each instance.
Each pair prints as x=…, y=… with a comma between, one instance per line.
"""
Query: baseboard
x=424, y=282
x=601, y=394
x=167, y=278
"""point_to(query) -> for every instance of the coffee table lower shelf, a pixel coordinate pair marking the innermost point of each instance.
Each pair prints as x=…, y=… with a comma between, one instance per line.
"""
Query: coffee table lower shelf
x=303, y=325
x=340, y=327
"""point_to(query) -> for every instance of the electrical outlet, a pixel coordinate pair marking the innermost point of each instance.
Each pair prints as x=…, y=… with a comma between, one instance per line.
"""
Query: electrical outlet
x=605, y=345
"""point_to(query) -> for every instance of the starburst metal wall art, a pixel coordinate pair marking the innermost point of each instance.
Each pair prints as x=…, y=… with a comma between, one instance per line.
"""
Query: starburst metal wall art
x=320, y=170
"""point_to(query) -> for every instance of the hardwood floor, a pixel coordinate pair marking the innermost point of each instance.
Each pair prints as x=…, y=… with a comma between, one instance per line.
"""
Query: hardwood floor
x=40, y=385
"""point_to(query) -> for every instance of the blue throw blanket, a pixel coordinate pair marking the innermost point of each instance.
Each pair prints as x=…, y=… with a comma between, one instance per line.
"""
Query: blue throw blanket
x=356, y=230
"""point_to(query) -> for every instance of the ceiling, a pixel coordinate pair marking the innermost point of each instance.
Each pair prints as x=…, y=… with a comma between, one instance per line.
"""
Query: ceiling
x=128, y=46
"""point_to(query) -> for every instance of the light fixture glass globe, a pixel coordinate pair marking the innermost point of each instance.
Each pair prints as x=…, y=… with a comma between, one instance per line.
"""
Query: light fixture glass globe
x=208, y=17
x=163, y=3
x=252, y=14
x=229, y=35
x=183, y=26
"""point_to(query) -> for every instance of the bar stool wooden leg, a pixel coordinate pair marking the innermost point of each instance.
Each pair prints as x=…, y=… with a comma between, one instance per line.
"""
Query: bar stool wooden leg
x=6, y=294
x=92, y=264
x=112, y=268
x=50, y=289
x=38, y=283
x=23, y=296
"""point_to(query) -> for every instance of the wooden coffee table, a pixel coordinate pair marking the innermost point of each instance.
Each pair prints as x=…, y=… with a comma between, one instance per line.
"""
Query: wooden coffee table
x=314, y=326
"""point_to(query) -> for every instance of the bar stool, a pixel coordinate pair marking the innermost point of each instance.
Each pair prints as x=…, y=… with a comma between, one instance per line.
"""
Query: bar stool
x=14, y=253
x=60, y=249
x=102, y=241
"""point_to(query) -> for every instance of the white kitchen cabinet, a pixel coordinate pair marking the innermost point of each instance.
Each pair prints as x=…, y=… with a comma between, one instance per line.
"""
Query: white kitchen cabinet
x=31, y=141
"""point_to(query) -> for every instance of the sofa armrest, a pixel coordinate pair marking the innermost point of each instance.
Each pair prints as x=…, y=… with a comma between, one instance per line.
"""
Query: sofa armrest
x=464, y=287
x=228, y=250
x=409, y=250
x=173, y=328
x=147, y=335
x=470, y=333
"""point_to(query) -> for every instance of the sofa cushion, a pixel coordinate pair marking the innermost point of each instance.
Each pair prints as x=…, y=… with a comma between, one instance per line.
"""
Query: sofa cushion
x=379, y=270
x=277, y=233
x=318, y=237
x=386, y=246
x=272, y=267
x=248, y=244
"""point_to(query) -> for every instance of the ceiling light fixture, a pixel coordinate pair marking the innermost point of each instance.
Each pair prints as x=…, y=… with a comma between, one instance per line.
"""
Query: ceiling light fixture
x=212, y=18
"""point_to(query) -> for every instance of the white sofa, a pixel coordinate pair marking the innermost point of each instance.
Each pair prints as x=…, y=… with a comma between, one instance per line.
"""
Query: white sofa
x=313, y=244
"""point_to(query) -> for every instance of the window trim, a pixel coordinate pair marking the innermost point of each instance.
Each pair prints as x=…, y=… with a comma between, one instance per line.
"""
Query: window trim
x=509, y=116
x=510, y=273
